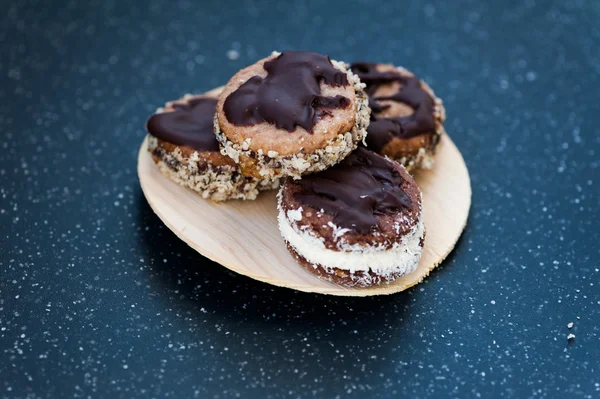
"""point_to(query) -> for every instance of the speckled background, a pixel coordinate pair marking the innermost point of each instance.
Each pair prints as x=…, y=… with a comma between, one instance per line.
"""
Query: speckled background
x=99, y=299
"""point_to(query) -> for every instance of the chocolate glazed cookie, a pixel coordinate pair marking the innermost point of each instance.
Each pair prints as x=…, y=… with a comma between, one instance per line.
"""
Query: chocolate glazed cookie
x=406, y=119
x=358, y=223
x=291, y=114
x=185, y=149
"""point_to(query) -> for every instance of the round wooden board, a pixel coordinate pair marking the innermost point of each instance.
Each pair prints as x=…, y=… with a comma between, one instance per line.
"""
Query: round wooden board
x=243, y=235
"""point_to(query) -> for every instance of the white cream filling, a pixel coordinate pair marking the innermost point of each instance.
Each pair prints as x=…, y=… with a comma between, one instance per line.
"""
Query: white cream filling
x=402, y=258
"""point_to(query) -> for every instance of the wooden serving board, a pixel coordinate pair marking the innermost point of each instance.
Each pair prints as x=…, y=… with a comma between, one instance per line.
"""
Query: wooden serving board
x=243, y=235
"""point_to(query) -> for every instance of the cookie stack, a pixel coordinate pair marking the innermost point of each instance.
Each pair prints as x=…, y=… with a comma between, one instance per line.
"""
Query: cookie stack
x=339, y=141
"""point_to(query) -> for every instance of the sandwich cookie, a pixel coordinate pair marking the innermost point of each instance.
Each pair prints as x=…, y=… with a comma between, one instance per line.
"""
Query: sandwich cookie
x=184, y=147
x=357, y=224
x=291, y=114
x=407, y=119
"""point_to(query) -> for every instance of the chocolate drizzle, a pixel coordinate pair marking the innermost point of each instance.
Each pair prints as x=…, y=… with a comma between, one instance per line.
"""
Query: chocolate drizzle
x=382, y=130
x=189, y=124
x=290, y=94
x=364, y=185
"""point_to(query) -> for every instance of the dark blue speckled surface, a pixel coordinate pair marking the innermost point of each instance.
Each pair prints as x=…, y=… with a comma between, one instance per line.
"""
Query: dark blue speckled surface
x=99, y=299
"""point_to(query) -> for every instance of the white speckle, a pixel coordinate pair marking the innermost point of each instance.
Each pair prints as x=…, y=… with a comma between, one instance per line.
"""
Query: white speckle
x=576, y=135
x=429, y=10
x=571, y=336
x=337, y=232
x=493, y=302
x=125, y=366
x=570, y=325
x=295, y=214
x=14, y=73
x=233, y=55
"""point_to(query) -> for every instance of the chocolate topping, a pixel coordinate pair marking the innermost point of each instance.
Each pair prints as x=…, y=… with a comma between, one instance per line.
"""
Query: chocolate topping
x=364, y=185
x=382, y=130
x=189, y=124
x=289, y=95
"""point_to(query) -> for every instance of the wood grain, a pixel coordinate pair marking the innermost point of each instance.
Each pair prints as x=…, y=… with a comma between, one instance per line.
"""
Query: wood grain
x=243, y=235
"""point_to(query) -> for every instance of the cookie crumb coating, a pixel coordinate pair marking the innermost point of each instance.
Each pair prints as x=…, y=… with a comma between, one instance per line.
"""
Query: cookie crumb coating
x=217, y=183
x=261, y=163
